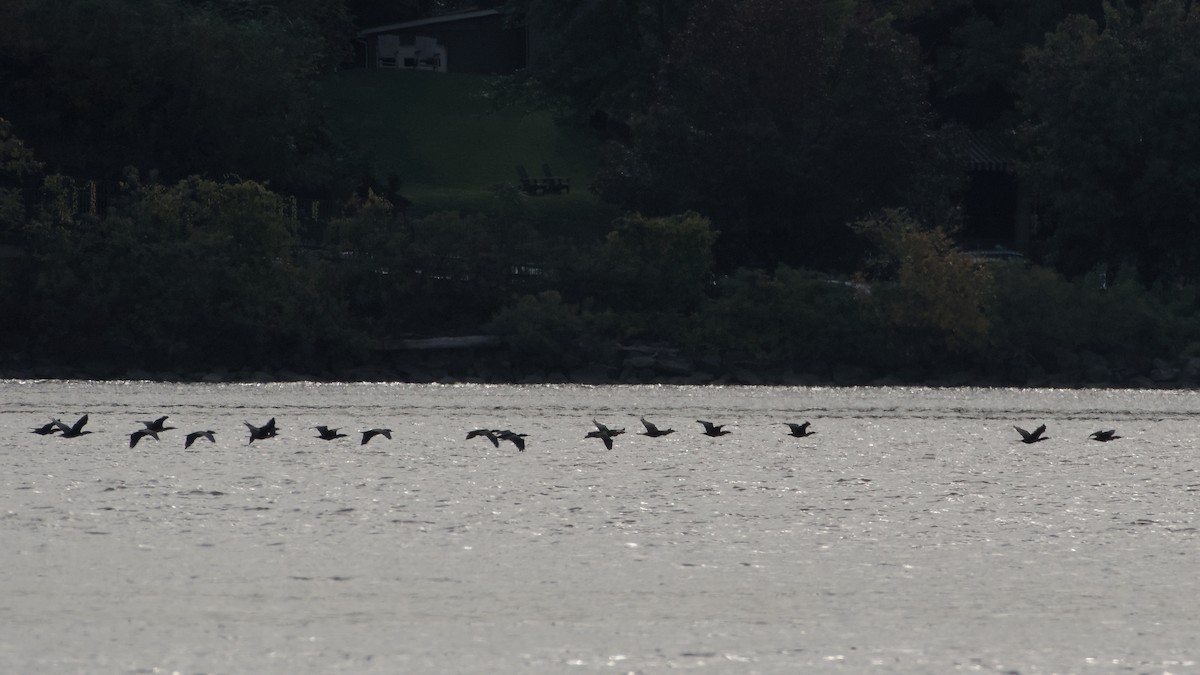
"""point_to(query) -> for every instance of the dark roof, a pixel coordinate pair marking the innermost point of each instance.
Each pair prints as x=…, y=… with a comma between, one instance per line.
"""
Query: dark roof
x=430, y=21
x=990, y=153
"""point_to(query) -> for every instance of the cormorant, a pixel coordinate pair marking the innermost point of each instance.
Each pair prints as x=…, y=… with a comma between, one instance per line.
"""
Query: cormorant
x=158, y=425
x=328, y=434
x=799, y=430
x=489, y=434
x=372, y=433
x=653, y=431
x=1104, y=436
x=75, y=429
x=140, y=434
x=713, y=430
x=1034, y=436
x=191, y=438
x=47, y=428
x=517, y=439
x=268, y=430
x=604, y=434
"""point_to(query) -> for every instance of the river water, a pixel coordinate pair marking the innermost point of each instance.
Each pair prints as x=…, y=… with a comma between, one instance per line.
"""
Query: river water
x=912, y=533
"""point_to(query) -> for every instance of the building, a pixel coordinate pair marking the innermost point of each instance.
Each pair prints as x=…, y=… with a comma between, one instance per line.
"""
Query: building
x=997, y=203
x=480, y=42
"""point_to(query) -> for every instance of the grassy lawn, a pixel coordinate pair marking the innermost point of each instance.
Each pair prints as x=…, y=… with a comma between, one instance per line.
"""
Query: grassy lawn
x=451, y=148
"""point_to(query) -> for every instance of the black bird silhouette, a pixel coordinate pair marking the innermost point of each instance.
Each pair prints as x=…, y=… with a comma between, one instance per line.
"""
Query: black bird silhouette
x=140, y=434
x=372, y=433
x=158, y=425
x=74, y=430
x=604, y=434
x=517, y=439
x=489, y=434
x=799, y=430
x=268, y=430
x=1104, y=436
x=328, y=434
x=1034, y=436
x=48, y=428
x=191, y=438
x=714, y=430
x=653, y=431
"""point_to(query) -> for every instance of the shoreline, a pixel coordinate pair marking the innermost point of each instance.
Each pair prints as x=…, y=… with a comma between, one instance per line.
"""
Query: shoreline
x=467, y=372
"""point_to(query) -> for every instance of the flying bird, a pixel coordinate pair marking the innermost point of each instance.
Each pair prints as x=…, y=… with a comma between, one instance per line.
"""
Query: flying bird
x=191, y=438
x=1034, y=436
x=604, y=434
x=799, y=430
x=48, y=428
x=1104, y=436
x=517, y=439
x=372, y=433
x=489, y=434
x=74, y=430
x=268, y=430
x=158, y=425
x=653, y=431
x=713, y=430
x=328, y=434
x=140, y=434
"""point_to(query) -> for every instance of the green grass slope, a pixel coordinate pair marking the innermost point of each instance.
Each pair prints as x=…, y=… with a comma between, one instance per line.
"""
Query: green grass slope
x=450, y=146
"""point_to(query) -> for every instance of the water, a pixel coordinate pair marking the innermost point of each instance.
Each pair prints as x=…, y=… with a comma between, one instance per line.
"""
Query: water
x=911, y=534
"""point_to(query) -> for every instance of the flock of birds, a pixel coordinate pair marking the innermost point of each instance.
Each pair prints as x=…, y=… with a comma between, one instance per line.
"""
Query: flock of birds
x=153, y=428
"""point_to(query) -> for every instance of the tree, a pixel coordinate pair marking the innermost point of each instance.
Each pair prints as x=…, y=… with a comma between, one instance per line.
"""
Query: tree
x=659, y=264
x=1114, y=140
x=167, y=85
x=781, y=120
x=974, y=49
x=935, y=294
x=597, y=58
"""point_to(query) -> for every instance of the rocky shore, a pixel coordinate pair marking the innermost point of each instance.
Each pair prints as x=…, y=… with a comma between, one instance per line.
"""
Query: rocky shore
x=483, y=359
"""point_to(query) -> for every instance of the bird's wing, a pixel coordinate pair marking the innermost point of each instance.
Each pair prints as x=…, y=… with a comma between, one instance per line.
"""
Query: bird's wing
x=1024, y=434
x=607, y=441
x=79, y=424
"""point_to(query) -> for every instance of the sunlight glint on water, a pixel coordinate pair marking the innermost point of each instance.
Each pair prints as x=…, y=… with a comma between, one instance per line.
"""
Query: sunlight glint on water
x=912, y=533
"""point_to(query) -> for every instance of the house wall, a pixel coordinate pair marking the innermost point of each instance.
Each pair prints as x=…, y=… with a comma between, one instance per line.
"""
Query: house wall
x=482, y=45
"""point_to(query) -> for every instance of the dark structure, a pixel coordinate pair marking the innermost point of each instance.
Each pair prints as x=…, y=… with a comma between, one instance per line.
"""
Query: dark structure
x=996, y=205
x=480, y=42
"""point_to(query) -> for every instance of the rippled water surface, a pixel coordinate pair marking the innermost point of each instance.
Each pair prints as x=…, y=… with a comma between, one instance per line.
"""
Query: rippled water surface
x=912, y=533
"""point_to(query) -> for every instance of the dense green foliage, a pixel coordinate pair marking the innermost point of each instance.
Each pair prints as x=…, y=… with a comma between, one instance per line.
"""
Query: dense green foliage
x=178, y=87
x=1114, y=140
x=780, y=182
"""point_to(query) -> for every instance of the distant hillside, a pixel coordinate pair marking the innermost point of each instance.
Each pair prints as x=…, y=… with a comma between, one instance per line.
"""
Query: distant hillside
x=441, y=135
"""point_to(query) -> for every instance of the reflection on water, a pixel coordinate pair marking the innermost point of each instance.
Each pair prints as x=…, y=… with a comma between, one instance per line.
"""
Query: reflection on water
x=912, y=533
